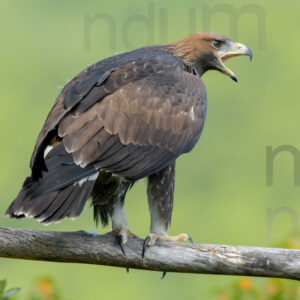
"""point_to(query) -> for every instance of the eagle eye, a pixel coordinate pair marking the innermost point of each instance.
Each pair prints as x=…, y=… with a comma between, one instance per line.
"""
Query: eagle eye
x=217, y=44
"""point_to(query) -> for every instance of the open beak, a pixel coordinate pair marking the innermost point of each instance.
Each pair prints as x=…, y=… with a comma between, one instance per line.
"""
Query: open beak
x=237, y=49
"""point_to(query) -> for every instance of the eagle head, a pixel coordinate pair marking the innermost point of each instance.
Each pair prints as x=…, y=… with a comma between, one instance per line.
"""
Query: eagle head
x=208, y=51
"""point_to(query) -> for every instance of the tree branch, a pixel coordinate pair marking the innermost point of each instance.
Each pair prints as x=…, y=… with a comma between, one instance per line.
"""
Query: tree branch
x=82, y=247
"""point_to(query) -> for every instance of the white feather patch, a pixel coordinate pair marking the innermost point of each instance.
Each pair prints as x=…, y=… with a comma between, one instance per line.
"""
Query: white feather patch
x=47, y=150
x=45, y=224
x=20, y=212
x=88, y=178
x=192, y=113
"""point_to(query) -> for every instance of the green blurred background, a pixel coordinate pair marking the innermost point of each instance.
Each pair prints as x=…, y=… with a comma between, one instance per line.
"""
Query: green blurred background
x=221, y=192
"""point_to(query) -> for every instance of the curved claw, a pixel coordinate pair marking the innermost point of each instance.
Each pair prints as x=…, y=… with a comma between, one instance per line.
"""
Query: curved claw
x=121, y=243
x=190, y=239
x=163, y=275
x=146, y=243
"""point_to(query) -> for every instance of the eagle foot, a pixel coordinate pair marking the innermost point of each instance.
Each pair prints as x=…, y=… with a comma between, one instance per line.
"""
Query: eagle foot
x=122, y=237
x=151, y=239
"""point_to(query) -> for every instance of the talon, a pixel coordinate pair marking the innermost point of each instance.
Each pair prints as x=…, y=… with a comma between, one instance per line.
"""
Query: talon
x=122, y=237
x=146, y=243
x=121, y=243
x=190, y=239
x=163, y=275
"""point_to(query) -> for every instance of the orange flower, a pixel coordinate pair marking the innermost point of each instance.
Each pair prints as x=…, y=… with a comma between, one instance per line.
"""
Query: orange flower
x=271, y=288
x=223, y=297
x=291, y=244
x=45, y=288
x=245, y=284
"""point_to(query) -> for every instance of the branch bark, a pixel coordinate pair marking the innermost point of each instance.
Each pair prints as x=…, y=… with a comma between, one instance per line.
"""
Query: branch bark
x=83, y=247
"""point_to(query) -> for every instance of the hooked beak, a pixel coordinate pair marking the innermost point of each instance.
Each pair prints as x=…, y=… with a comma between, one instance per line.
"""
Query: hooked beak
x=237, y=49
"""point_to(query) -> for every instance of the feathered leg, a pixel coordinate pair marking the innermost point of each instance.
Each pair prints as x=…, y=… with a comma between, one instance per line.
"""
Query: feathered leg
x=160, y=192
x=108, y=200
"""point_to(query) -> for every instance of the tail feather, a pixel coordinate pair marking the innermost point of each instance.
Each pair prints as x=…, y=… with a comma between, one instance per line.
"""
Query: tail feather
x=73, y=205
x=61, y=191
x=34, y=206
x=52, y=206
x=77, y=206
x=55, y=205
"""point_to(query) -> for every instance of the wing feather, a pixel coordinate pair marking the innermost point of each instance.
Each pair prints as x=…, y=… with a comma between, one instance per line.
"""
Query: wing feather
x=138, y=128
x=130, y=120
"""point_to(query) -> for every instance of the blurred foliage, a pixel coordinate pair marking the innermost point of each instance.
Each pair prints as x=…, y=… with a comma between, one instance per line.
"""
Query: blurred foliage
x=7, y=294
x=273, y=289
x=221, y=195
x=46, y=289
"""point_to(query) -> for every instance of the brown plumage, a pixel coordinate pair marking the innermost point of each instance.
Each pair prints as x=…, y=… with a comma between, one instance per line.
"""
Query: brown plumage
x=122, y=119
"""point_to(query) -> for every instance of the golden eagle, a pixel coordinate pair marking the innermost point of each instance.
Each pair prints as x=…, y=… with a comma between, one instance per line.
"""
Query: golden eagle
x=124, y=118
